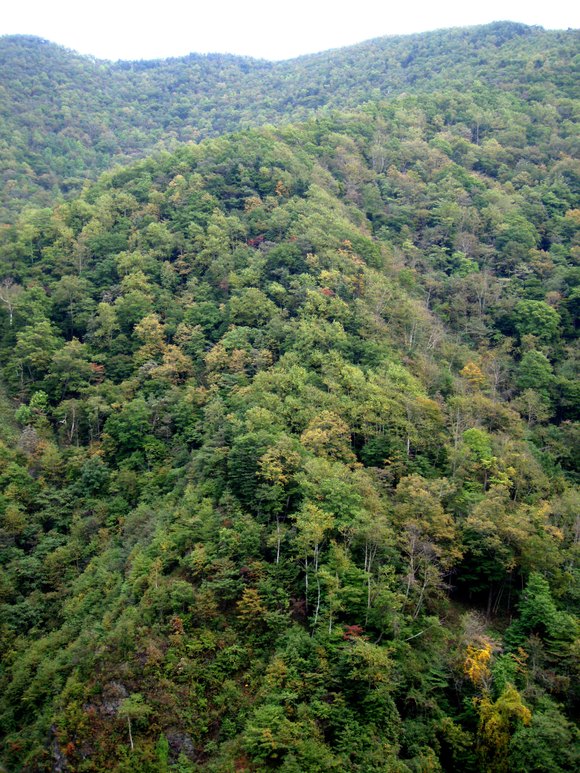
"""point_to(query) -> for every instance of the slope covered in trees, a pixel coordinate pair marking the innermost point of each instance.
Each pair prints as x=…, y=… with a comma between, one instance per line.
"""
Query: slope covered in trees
x=288, y=460
x=65, y=118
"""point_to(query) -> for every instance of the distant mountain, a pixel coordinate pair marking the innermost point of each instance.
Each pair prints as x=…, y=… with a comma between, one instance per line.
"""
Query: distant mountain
x=64, y=117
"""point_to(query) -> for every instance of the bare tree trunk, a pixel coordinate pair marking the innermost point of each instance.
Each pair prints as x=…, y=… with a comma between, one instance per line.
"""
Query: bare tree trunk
x=317, y=610
x=130, y=734
x=418, y=607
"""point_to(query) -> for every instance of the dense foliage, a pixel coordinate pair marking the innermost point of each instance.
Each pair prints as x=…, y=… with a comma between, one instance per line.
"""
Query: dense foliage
x=64, y=118
x=289, y=447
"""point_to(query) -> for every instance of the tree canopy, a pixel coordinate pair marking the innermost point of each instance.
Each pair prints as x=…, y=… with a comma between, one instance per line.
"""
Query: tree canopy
x=288, y=450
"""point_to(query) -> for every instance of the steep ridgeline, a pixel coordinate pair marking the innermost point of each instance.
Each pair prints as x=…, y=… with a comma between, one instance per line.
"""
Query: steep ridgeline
x=65, y=118
x=289, y=451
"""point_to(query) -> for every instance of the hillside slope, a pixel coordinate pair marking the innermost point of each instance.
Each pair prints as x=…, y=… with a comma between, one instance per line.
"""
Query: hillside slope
x=65, y=118
x=294, y=487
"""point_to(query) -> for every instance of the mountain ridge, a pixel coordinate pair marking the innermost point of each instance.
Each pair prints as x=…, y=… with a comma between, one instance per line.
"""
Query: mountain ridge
x=66, y=117
x=512, y=29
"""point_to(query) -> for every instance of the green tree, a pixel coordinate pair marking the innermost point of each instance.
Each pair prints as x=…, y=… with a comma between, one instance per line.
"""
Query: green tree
x=535, y=372
x=134, y=709
x=35, y=347
x=538, y=319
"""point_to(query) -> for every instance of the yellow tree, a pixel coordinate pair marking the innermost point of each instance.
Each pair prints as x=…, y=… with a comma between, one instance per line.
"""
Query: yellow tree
x=428, y=535
x=498, y=721
x=152, y=333
x=312, y=523
x=476, y=665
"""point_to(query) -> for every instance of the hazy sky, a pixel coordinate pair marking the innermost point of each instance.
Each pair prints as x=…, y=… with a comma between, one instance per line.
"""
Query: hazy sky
x=138, y=29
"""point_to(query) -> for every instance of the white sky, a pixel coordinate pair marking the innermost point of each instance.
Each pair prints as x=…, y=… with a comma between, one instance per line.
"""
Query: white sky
x=146, y=29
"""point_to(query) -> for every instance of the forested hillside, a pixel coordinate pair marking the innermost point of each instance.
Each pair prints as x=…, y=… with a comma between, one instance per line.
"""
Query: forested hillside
x=289, y=433
x=65, y=118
